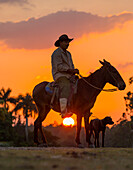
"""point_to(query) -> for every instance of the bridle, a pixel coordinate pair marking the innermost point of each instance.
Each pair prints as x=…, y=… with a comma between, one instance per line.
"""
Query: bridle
x=106, y=90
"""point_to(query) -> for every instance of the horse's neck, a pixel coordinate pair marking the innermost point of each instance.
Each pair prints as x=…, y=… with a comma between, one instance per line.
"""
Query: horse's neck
x=88, y=93
x=98, y=78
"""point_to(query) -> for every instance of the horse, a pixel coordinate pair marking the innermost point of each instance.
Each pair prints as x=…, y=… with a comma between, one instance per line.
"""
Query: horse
x=88, y=89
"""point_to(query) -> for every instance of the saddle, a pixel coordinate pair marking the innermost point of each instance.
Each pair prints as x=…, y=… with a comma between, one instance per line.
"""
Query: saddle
x=53, y=89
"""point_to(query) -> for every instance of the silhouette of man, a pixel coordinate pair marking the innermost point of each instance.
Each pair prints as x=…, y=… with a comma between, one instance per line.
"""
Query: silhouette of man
x=62, y=70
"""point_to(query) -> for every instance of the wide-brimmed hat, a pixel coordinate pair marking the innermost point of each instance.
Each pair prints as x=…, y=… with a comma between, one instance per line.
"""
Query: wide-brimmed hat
x=62, y=38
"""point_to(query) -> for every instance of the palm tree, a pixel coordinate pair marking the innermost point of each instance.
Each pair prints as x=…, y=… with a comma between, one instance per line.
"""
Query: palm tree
x=3, y=111
x=29, y=109
x=130, y=80
x=129, y=102
x=5, y=96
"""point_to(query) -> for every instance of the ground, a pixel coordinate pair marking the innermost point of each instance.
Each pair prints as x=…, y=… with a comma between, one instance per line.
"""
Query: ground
x=66, y=158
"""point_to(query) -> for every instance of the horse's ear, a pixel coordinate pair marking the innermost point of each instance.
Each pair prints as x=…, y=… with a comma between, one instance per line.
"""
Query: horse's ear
x=101, y=62
x=106, y=61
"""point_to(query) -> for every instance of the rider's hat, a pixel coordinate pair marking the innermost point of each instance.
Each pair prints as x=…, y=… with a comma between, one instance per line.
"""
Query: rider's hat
x=62, y=38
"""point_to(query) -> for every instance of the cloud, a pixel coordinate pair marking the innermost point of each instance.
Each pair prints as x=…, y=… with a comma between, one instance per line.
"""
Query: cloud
x=20, y=2
x=40, y=33
x=123, y=66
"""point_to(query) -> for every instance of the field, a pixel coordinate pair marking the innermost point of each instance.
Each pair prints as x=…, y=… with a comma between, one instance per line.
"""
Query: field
x=66, y=158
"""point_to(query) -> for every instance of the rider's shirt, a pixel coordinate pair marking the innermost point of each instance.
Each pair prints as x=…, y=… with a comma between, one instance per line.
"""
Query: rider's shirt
x=61, y=62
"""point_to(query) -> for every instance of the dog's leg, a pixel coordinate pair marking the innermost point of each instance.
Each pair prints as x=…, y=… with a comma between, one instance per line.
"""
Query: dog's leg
x=103, y=135
x=98, y=140
x=95, y=140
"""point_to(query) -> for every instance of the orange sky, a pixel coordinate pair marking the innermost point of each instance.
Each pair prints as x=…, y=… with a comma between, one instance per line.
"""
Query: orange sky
x=16, y=10
x=22, y=67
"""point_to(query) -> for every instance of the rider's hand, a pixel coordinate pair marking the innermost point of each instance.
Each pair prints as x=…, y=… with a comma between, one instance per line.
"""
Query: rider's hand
x=73, y=71
x=76, y=71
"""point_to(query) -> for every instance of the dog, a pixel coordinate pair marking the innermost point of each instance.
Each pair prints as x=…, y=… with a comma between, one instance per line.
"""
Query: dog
x=96, y=126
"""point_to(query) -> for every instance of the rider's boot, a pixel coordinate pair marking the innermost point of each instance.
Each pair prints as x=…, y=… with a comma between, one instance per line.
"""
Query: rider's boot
x=63, y=108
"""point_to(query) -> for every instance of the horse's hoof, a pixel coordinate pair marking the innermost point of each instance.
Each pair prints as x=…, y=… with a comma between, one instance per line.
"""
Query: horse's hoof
x=36, y=143
x=80, y=146
x=42, y=145
x=91, y=146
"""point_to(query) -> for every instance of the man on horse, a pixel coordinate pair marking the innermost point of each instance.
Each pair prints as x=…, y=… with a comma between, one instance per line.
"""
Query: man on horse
x=62, y=70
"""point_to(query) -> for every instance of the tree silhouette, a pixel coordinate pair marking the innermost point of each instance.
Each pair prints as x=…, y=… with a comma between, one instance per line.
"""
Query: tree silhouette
x=3, y=111
x=129, y=101
x=130, y=80
x=5, y=96
x=29, y=109
x=129, y=108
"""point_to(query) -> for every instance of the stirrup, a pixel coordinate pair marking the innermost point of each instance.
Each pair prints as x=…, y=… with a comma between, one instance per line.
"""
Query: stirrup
x=64, y=115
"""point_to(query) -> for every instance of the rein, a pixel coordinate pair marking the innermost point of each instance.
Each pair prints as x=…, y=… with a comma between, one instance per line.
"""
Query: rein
x=106, y=90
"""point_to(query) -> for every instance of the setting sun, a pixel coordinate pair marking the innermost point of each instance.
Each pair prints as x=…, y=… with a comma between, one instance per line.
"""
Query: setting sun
x=68, y=121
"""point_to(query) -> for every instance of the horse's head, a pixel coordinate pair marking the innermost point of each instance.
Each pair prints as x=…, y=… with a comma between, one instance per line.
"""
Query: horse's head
x=112, y=75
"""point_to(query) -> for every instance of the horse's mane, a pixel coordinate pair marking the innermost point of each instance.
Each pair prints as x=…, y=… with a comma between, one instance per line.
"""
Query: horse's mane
x=92, y=75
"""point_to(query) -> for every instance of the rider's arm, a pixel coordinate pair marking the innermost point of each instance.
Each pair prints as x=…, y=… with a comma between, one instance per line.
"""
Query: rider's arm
x=57, y=62
x=59, y=65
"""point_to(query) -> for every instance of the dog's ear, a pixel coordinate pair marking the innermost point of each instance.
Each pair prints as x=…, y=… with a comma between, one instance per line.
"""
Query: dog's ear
x=107, y=118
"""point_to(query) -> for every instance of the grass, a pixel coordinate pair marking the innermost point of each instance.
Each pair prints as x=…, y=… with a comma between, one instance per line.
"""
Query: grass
x=66, y=158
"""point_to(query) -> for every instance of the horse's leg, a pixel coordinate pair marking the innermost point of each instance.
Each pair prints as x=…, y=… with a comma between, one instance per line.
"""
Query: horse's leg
x=42, y=117
x=36, y=125
x=86, y=120
x=79, y=119
x=43, y=111
x=36, y=131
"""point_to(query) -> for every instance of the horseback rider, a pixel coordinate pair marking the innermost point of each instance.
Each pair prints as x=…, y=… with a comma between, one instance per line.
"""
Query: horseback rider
x=62, y=70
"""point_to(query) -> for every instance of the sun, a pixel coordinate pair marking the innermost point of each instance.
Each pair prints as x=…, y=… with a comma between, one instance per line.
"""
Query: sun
x=68, y=121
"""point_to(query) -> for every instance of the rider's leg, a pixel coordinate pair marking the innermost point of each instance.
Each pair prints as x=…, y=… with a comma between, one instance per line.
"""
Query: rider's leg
x=64, y=84
x=63, y=105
